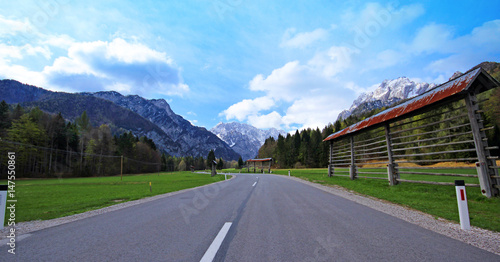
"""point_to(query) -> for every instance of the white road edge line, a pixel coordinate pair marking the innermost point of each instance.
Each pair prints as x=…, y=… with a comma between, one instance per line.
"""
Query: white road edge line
x=214, y=247
x=255, y=183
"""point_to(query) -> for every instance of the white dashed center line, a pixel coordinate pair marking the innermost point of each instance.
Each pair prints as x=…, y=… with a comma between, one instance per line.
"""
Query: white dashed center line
x=214, y=247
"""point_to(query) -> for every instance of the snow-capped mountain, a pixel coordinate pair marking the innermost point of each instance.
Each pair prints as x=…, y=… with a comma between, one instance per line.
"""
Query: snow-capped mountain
x=244, y=139
x=386, y=94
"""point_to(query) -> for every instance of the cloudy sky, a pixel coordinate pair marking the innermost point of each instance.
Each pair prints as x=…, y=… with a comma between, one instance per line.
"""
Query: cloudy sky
x=282, y=64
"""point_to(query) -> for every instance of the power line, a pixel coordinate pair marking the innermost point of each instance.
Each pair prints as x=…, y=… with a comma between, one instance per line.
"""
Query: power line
x=76, y=153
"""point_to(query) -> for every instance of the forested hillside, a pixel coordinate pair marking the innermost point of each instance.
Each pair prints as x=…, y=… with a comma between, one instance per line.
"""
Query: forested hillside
x=47, y=145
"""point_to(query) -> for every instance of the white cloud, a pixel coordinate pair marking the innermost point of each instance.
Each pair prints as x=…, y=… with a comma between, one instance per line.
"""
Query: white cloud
x=332, y=61
x=315, y=111
x=21, y=73
x=131, y=68
x=461, y=53
x=127, y=66
x=119, y=87
x=374, y=16
x=12, y=27
x=439, y=40
x=487, y=35
x=302, y=40
x=386, y=58
x=8, y=52
x=313, y=89
x=432, y=38
x=314, y=92
x=272, y=119
x=59, y=41
x=284, y=83
x=242, y=110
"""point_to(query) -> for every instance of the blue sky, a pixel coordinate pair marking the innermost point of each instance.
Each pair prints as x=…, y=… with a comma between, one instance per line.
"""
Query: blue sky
x=282, y=64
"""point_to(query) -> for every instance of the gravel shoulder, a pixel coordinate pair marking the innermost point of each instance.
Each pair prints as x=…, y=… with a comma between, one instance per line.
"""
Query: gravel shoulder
x=478, y=237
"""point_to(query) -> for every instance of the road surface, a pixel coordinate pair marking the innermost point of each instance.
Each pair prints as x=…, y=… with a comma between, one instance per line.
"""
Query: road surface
x=248, y=218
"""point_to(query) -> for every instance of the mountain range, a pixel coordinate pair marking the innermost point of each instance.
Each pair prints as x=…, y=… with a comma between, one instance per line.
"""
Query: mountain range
x=152, y=118
x=387, y=93
x=244, y=139
x=178, y=137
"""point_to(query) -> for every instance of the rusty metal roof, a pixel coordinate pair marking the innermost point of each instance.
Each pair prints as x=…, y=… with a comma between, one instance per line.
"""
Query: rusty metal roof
x=260, y=160
x=453, y=88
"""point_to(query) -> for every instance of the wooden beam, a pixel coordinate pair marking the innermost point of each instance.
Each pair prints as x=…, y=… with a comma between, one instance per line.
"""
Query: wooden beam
x=485, y=182
x=352, y=169
x=392, y=173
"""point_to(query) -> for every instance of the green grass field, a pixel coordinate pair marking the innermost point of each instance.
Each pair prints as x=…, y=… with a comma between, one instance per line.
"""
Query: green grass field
x=41, y=199
x=437, y=200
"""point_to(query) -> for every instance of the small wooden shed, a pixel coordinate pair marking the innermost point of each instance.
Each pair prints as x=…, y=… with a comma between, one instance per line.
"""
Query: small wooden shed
x=263, y=162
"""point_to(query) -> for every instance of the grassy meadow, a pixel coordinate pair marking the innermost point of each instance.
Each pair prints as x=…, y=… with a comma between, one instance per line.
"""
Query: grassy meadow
x=41, y=199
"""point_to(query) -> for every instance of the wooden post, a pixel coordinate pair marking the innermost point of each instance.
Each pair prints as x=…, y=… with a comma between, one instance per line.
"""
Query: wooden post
x=481, y=142
x=214, y=172
x=391, y=166
x=121, y=169
x=331, y=169
x=269, y=170
x=352, y=169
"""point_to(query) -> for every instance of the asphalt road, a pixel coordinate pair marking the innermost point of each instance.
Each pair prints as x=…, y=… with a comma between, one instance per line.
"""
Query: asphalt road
x=271, y=218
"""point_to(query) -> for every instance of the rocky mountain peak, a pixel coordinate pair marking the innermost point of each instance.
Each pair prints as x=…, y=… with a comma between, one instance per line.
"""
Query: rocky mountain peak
x=386, y=94
x=243, y=138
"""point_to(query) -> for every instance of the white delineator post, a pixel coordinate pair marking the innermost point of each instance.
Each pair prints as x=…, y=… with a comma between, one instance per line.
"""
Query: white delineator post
x=3, y=203
x=463, y=209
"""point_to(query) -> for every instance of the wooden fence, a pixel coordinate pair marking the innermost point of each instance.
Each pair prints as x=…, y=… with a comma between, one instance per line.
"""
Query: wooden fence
x=400, y=144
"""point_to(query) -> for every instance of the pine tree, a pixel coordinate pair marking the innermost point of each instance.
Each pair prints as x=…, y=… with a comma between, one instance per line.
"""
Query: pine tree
x=4, y=118
x=18, y=112
x=281, y=151
x=240, y=163
x=220, y=164
x=210, y=158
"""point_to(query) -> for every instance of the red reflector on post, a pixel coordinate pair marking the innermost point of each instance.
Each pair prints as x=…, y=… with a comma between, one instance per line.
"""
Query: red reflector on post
x=462, y=194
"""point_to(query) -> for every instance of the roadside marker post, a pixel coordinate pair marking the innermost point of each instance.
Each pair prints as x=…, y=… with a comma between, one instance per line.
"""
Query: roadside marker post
x=288, y=172
x=121, y=169
x=3, y=203
x=463, y=209
x=150, y=188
